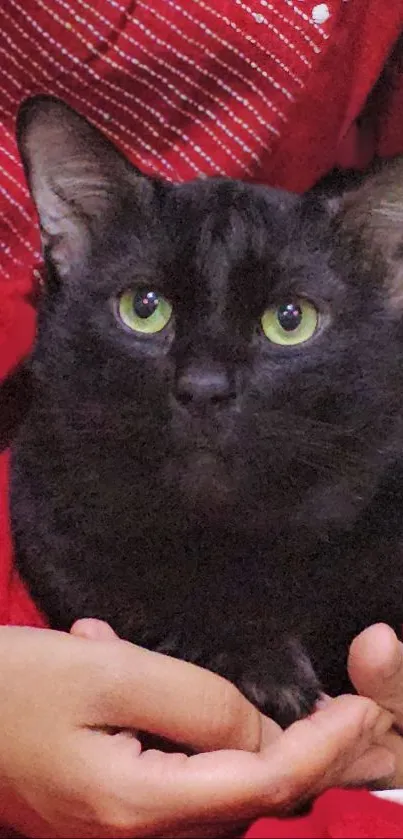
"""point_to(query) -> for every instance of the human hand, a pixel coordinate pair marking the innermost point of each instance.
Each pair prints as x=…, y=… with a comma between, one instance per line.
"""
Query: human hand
x=376, y=670
x=65, y=772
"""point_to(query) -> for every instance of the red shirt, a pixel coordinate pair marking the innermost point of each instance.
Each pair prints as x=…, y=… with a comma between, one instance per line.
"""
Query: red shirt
x=278, y=92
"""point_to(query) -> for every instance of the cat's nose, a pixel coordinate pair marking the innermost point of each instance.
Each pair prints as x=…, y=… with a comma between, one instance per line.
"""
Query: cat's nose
x=197, y=386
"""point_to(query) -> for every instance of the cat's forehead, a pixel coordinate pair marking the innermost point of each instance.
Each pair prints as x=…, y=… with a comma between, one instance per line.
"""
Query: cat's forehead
x=216, y=241
x=216, y=224
x=243, y=239
x=222, y=208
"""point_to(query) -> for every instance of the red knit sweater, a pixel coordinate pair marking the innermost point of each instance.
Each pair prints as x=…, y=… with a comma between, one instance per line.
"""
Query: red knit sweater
x=278, y=92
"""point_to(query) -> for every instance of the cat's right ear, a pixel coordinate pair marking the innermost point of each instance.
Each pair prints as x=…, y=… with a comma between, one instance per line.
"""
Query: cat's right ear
x=73, y=173
x=372, y=211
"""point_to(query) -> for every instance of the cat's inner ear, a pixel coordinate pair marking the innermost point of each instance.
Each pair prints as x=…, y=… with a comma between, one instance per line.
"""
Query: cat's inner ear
x=73, y=173
x=374, y=211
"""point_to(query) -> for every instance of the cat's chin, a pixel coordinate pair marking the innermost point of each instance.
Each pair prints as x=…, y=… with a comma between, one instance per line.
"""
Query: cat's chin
x=205, y=483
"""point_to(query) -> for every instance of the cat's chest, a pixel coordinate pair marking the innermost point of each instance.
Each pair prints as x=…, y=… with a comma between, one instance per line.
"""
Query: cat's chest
x=144, y=566
x=300, y=585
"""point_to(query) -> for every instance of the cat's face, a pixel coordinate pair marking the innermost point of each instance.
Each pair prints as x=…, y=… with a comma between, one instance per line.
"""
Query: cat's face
x=232, y=352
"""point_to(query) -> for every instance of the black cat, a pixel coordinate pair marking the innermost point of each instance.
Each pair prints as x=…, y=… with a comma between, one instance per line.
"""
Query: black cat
x=212, y=460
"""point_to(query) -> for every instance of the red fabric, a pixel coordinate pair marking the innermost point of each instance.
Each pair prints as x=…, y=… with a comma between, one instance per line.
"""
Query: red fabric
x=337, y=814
x=245, y=89
x=186, y=87
x=16, y=607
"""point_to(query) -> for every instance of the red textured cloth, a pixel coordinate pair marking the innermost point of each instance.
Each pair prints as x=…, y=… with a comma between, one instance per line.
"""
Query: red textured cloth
x=271, y=91
x=337, y=814
x=277, y=92
x=16, y=607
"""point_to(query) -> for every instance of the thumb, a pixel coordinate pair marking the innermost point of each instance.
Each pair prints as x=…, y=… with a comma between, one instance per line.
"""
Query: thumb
x=375, y=667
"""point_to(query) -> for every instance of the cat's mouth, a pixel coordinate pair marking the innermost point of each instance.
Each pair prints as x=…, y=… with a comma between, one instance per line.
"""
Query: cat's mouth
x=204, y=479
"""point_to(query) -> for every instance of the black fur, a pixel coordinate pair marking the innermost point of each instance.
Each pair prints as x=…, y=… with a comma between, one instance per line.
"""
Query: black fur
x=210, y=494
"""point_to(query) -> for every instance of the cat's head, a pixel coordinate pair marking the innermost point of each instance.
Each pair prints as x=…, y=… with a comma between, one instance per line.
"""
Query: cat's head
x=226, y=351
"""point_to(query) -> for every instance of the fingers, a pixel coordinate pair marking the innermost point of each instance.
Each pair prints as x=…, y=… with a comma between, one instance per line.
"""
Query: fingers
x=376, y=768
x=114, y=683
x=394, y=743
x=310, y=756
x=201, y=709
x=184, y=719
x=234, y=723
x=319, y=751
x=174, y=699
x=376, y=667
x=370, y=768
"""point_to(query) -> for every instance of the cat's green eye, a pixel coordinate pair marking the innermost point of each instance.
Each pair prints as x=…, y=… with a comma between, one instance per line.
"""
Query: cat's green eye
x=291, y=323
x=144, y=310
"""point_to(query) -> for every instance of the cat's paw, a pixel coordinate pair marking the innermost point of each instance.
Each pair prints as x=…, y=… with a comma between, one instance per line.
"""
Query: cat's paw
x=283, y=686
x=276, y=676
x=284, y=703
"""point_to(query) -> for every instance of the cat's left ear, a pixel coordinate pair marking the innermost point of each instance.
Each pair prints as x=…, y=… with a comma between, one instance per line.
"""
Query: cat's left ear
x=373, y=212
x=73, y=172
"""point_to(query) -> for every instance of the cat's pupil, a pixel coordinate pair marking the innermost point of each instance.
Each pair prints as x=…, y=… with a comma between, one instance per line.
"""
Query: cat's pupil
x=289, y=316
x=145, y=303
